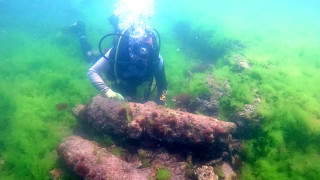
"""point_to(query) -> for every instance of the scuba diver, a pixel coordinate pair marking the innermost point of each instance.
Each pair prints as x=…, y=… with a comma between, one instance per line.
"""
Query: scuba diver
x=130, y=65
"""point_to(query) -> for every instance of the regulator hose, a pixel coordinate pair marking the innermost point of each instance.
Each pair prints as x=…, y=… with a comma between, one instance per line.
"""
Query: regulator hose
x=101, y=40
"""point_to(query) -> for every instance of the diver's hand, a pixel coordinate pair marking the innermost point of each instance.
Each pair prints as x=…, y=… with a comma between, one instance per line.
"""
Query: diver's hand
x=113, y=95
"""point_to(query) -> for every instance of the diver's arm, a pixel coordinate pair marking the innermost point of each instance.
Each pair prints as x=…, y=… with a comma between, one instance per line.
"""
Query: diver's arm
x=94, y=73
x=160, y=77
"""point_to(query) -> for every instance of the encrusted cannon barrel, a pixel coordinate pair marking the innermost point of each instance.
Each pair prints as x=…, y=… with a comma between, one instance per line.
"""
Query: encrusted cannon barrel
x=156, y=122
x=92, y=162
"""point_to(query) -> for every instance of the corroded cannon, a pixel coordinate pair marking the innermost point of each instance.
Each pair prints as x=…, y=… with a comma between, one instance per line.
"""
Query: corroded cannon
x=90, y=161
x=137, y=120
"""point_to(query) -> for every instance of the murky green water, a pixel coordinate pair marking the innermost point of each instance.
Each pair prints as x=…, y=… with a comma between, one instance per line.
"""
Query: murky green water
x=41, y=66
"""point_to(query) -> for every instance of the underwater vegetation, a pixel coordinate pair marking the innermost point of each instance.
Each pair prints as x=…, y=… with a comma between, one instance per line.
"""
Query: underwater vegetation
x=288, y=112
x=43, y=76
x=31, y=123
x=196, y=42
x=282, y=75
x=163, y=174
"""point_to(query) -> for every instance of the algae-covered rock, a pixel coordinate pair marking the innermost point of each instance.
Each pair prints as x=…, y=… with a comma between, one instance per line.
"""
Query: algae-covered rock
x=248, y=119
x=145, y=157
x=205, y=173
x=225, y=171
x=241, y=62
x=56, y=174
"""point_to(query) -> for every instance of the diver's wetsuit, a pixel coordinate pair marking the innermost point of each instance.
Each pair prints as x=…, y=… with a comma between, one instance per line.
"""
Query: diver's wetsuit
x=129, y=74
x=129, y=77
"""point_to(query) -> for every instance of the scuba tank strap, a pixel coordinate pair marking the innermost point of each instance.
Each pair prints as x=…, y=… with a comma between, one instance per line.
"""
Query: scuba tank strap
x=117, y=50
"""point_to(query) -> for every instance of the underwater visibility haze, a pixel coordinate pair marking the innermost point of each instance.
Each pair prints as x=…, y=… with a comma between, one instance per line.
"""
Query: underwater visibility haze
x=265, y=53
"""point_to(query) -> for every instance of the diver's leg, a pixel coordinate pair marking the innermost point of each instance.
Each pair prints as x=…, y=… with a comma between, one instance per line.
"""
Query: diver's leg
x=86, y=48
x=79, y=29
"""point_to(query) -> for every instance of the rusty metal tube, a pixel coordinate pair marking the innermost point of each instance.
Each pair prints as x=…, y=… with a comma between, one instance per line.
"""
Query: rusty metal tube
x=156, y=122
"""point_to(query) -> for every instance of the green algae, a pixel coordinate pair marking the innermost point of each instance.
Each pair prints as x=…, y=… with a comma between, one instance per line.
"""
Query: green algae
x=163, y=174
x=117, y=151
x=283, y=76
x=35, y=127
x=127, y=109
x=145, y=158
x=38, y=72
x=218, y=171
